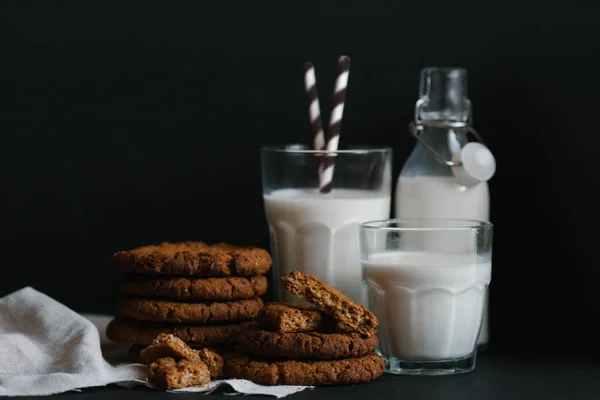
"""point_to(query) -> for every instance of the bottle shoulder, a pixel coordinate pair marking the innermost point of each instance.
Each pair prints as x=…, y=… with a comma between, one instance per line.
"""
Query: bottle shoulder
x=420, y=162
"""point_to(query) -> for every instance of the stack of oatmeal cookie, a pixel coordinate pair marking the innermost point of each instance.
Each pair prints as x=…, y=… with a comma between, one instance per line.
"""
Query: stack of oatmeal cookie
x=331, y=343
x=200, y=293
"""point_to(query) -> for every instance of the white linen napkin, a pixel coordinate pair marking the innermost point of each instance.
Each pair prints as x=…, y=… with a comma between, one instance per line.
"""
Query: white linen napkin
x=46, y=348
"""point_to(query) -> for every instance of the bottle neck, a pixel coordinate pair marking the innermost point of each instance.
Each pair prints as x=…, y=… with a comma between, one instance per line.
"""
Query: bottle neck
x=442, y=98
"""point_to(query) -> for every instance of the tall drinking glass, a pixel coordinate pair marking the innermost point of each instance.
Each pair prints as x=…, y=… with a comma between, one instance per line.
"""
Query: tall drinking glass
x=426, y=281
x=317, y=233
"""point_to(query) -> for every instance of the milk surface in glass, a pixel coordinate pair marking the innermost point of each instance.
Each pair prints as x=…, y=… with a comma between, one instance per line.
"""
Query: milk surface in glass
x=318, y=233
x=429, y=305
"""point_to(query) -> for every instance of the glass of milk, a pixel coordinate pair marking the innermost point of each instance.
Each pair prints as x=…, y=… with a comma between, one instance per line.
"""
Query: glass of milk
x=426, y=281
x=317, y=233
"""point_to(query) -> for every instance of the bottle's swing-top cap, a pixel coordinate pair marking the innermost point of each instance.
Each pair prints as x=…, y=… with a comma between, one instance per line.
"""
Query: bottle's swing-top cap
x=475, y=164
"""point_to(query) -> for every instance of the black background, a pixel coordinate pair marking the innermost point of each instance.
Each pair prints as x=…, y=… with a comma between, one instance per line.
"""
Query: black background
x=129, y=123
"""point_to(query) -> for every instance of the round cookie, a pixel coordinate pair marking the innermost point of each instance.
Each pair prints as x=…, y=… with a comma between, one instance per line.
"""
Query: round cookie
x=194, y=259
x=199, y=289
x=313, y=345
x=139, y=332
x=306, y=373
x=189, y=313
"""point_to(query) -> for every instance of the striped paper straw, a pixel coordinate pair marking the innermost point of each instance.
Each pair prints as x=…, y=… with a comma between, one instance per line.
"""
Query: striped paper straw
x=335, y=122
x=314, y=110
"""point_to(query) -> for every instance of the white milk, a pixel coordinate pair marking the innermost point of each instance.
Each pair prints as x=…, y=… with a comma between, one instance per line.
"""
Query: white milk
x=429, y=305
x=318, y=234
x=442, y=197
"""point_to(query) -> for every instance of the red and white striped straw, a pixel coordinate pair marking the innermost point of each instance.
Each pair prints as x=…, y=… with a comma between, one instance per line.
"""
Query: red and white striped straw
x=335, y=123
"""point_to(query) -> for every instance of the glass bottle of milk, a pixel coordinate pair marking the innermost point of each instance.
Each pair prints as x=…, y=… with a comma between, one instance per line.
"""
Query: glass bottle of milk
x=446, y=175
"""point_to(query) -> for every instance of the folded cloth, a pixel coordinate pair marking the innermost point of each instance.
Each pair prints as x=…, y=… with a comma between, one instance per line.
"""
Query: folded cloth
x=46, y=348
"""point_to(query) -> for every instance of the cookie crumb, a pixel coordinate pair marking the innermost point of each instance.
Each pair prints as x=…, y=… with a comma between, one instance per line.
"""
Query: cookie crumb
x=212, y=359
x=166, y=373
x=167, y=345
x=331, y=301
x=288, y=317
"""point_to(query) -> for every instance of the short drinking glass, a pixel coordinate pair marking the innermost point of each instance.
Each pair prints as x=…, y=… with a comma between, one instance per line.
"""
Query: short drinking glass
x=426, y=281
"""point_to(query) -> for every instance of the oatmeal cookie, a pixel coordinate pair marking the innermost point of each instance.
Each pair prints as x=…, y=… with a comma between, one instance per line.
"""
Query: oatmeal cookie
x=312, y=345
x=307, y=373
x=199, y=289
x=140, y=332
x=194, y=259
x=191, y=313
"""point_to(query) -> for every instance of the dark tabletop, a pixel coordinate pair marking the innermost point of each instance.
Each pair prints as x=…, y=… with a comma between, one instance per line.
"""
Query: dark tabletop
x=548, y=374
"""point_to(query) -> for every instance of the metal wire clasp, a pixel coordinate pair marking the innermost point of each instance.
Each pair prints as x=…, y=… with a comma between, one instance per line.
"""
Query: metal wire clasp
x=416, y=127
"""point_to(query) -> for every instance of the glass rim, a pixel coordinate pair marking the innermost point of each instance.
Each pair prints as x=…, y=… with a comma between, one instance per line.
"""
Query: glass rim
x=299, y=148
x=446, y=69
x=467, y=224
